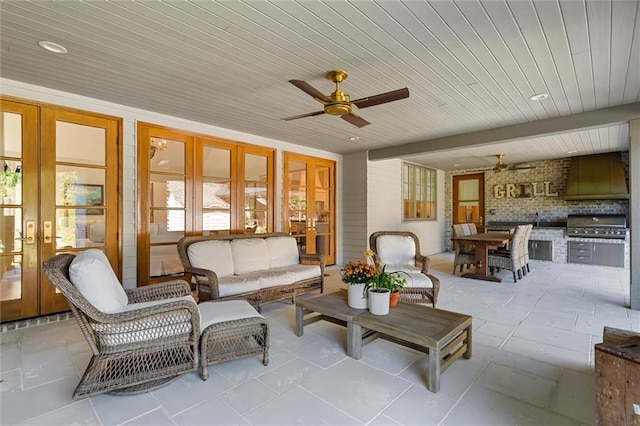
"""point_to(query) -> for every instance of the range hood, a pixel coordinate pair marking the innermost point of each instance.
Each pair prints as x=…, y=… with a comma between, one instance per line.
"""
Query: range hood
x=597, y=177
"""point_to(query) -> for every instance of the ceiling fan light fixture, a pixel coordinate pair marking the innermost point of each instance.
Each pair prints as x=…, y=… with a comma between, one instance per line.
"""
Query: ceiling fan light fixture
x=337, y=109
x=538, y=97
x=52, y=47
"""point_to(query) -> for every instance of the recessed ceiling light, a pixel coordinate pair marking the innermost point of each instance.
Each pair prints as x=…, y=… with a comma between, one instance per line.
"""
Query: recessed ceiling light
x=539, y=97
x=571, y=152
x=52, y=47
x=457, y=164
x=354, y=138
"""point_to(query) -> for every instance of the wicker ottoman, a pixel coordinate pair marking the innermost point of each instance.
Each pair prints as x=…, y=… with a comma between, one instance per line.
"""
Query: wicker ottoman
x=230, y=330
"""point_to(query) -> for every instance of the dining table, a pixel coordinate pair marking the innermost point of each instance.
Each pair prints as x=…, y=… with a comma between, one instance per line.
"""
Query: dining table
x=482, y=242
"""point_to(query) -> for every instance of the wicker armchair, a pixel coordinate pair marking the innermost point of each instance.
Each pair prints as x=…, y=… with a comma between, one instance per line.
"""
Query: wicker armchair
x=139, y=349
x=465, y=254
x=400, y=251
x=514, y=260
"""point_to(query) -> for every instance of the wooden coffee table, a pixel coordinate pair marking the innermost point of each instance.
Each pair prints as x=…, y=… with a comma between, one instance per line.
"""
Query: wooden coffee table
x=444, y=335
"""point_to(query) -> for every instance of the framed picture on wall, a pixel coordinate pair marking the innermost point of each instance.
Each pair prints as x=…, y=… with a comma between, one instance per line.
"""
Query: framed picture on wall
x=88, y=195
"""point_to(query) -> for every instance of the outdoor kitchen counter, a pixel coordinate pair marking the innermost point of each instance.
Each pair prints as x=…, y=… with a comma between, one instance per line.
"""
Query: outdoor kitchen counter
x=494, y=225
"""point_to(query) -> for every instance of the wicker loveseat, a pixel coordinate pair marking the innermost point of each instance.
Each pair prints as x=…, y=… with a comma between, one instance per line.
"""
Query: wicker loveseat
x=259, y=268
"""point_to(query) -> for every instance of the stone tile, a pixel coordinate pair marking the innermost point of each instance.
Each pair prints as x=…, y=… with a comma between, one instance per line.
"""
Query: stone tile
x=363, y=391
x=212, y=412
x=324, y=353
x=248, y=396
x=245, y=369
x=517, y=384
x=554, y=337
x=156, y=417
x=17, y=407
x=115, y=409
x=419, y=406
x=481, y=406
x=289, y=375
x=575, y=396
x=551, y=354
x=298, y=407
x=190, y=390
x=388, y=356
x=80, y=413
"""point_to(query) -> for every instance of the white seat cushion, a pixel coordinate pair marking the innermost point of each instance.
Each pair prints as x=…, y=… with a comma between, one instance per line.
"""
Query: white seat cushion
x=212, y=255
x=228, y=286
x=94, y=278
x=418, y=280
x=403, y=268
x=271, y=277
x=283, y=251
x=249, y=255
x=303, y=272
x=228, y=310
x=396, y=249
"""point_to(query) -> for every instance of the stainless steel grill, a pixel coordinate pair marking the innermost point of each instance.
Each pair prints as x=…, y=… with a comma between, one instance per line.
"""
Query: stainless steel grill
x=597, y=226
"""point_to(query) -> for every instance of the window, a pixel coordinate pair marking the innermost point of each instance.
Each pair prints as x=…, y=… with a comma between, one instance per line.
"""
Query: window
x=418, y=192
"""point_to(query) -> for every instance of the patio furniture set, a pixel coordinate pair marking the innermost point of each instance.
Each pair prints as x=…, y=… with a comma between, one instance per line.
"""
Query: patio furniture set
x=487, y=252
x=145, y=337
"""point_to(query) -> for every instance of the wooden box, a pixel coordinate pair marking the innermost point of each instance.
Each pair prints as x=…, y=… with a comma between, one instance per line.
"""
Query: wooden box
x=618, y=382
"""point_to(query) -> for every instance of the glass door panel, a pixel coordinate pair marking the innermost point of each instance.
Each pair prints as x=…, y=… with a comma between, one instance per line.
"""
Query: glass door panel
x=256, y=193
x=217, y=194
x=309, y=201
x=19, y=285
x=468, y=200
x=168, y=203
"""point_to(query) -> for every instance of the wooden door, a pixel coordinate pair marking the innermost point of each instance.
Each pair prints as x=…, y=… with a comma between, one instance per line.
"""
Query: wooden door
x=64, y=199
x=189, y=184
x=309, y=202
x=468, y=200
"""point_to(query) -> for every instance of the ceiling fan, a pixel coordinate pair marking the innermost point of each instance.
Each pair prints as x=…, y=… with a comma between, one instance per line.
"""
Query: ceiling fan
x=500, y=166
x=339, y=103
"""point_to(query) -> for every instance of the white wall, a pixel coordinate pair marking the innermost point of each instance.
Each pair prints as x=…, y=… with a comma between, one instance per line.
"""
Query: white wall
x=384, y=205
x=130, y=116
x=354, y=212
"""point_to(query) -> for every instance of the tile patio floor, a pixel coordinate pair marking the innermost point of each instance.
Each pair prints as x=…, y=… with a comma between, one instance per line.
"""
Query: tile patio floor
x=532, y=365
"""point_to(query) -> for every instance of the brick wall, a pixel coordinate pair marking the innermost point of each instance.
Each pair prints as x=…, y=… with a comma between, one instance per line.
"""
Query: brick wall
x=523, y=208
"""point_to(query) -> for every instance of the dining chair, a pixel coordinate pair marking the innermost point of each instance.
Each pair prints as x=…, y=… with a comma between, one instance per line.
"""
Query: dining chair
x=515, y=259
x=465, y=254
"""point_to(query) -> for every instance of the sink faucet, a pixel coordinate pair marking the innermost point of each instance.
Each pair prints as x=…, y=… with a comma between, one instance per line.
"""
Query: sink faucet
x=537, y=219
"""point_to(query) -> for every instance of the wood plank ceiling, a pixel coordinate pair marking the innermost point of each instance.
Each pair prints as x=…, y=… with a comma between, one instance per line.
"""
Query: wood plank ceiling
x=469, y=65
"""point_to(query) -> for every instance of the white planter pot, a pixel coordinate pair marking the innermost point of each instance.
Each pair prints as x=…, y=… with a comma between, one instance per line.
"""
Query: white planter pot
x=379, y=301
x=356, y=297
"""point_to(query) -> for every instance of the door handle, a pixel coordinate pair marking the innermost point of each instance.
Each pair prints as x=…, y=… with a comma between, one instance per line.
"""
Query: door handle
x=48, y=231
x=31, y=233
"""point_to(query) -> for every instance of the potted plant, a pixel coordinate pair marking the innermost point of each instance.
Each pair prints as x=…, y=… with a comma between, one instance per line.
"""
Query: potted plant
x=382, y=285
x=356, y=275
x=8, y=182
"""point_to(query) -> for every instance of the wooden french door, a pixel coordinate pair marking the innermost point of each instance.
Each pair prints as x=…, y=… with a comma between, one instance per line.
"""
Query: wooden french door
x=59, y=194
x=468, y=199
x=190, y=184
x=309, y=202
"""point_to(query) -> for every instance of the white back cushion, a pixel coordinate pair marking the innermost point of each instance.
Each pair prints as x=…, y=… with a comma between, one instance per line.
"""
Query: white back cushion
x=283, y=251
x=212, y=255
x=249, y=254
x=92, y=275
x=396, y=249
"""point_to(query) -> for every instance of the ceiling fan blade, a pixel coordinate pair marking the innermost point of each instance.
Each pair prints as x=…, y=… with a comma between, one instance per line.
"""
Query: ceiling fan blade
x=309, y=90
x=310, y=114
x=354, y=119
x=382, y=98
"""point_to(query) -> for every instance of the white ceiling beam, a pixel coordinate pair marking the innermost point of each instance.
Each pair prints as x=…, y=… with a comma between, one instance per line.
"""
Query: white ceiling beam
x=550, y=126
